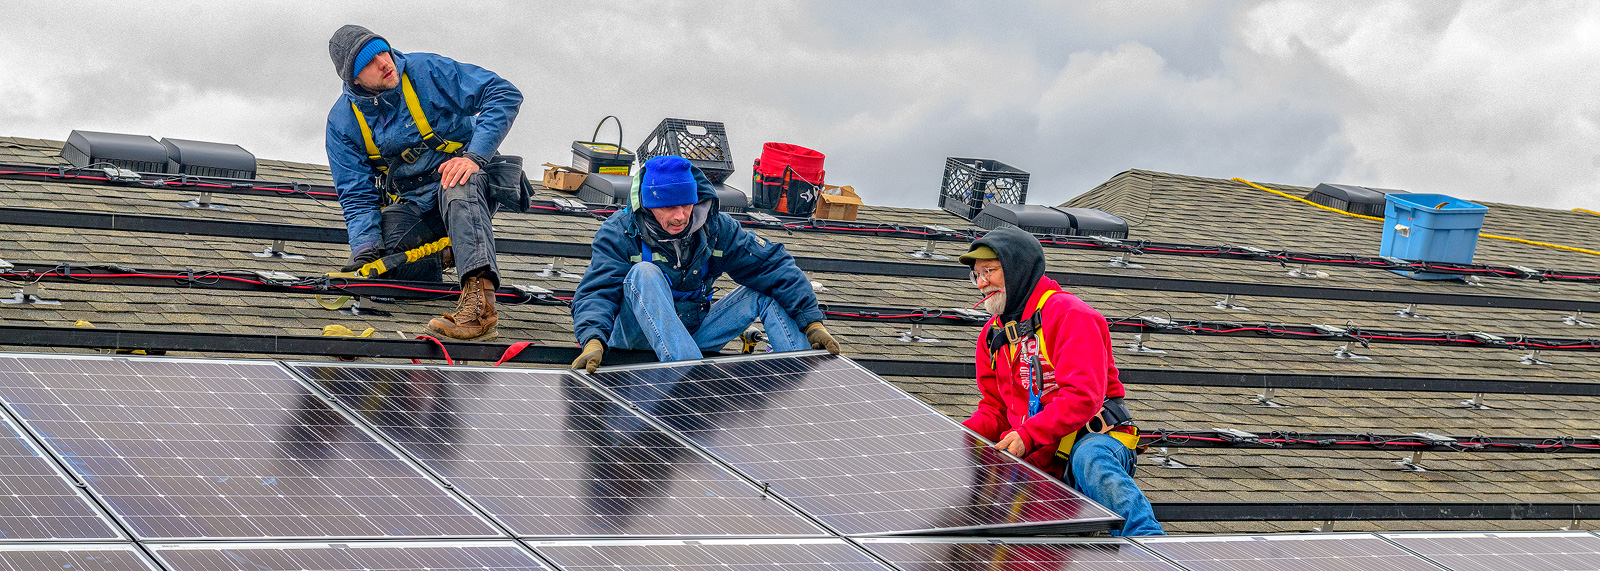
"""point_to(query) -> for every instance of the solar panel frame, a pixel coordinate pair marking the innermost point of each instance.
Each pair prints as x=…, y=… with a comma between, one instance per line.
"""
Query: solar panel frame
x=69, y=488
x=300, y=368
x=1471, y=559
x=1107, y=521
x=361, y=555
x=123, y=520
x=1141, y=559
x=1365, y=558
x=696, y=555
x=11, y=554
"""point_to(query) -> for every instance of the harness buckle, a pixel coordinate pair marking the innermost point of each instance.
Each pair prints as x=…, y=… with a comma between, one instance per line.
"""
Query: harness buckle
x=1011, y=333
x=412, y=154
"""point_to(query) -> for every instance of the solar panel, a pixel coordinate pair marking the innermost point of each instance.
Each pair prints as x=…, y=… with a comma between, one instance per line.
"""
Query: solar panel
x=1533, y=551
x=708, y=555
x=223, y=449
x=354, y=556
x=37, y=501
x=1016, y=555
x=853, y=450
x=550, y=456
x=1311, y=552
x=68, y=557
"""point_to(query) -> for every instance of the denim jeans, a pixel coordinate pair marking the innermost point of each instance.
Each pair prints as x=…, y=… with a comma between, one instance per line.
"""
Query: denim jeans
x=1102, y=468
x=463, y=213
x=649, y=319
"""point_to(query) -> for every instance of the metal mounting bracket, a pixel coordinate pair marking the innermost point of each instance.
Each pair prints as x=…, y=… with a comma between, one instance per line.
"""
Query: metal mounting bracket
x=204, y=201
x=1305, y=271
x=817, y=286
x=1228, y=303
x=1326, y=527
x=1476, y=402
x=1344, y=352
x=554, y=271
x=1138, y=346
x=1532, y=358
x=927, y=253
x=277, y=250
x=1124, y=261
x=1410, y=312
x=29, y=295
x=1265, y=399
x=1411, y=463
x=915, y=335
x=1576, y=319
x=355, y=309
x=1164, y=459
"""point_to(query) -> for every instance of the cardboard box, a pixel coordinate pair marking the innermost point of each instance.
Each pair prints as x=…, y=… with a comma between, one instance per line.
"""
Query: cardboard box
x=838, y=203
x=564, y=178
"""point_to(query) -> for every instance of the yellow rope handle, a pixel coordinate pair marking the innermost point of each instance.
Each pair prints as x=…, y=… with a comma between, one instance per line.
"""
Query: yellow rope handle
x=1480, y=234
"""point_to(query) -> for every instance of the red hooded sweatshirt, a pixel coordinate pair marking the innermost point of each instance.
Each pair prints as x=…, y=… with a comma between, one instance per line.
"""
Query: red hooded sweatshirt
x=1077, y=378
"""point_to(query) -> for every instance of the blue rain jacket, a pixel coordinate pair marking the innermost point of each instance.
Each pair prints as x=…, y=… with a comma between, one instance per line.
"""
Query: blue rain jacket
x=723, y=247
x=463, y=103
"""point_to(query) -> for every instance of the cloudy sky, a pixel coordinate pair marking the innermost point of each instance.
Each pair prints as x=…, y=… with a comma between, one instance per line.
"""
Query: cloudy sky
x=1483, y=100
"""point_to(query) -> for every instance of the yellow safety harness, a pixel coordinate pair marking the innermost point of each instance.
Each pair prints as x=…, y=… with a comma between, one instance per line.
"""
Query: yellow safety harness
x=429, y=138
x=1126, y=433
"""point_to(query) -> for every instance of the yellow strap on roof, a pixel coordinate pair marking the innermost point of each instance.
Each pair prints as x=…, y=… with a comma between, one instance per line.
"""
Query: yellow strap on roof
x=1480, y=234
x=426, y=130
x=1586, y=210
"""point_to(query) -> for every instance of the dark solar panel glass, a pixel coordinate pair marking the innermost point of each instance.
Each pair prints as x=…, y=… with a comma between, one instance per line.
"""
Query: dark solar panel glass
x=1353, y=552
x=360, y=556
x=550, y=456
x=72, y=558
x=1551, y=551
x=848, y=447
x=212, y=449
x=710, y=555
x=36, y=499
x=912, y=555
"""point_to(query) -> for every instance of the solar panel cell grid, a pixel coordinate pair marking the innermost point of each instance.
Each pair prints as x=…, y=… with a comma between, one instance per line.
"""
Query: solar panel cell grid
x=1337, y=552
x=402, y=556
x=210, y=449
x=550, y=456
x=913, y=555
x=718, y=555
x=36, y=499
x=849, y=448
x=1554, y=551
x=72, y=558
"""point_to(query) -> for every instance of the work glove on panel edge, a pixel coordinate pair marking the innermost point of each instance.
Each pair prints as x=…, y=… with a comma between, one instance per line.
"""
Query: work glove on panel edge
x=589, y=358
x=820, y=338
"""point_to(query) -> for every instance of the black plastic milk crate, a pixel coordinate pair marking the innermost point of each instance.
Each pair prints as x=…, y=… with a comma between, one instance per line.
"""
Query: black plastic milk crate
x=704, y=143
x=969, y=184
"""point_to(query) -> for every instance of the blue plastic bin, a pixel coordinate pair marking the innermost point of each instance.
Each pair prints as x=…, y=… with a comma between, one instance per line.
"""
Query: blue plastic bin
x=1430, y=227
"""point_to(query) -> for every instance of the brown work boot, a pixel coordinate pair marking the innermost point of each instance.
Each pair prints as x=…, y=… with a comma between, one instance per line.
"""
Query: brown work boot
x=474, y=319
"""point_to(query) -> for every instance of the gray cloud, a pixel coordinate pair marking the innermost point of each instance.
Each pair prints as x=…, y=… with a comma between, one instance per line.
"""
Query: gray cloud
x=1483, y=100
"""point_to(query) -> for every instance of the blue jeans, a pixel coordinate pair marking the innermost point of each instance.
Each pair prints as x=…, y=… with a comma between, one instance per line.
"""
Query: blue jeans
x=1102, y=468
x=649, y=320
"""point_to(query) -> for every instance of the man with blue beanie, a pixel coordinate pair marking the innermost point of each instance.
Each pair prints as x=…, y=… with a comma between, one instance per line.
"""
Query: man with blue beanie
x=654, y=267
x=407, y=143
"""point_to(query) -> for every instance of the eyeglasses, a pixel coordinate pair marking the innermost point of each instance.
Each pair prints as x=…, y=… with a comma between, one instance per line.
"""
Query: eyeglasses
x=984, y=273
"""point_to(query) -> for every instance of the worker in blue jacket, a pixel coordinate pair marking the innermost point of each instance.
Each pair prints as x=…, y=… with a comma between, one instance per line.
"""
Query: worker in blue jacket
x=407, y=143
x=654, y=267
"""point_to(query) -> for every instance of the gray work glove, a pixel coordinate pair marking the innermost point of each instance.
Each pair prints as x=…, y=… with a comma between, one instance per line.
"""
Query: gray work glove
x=589, y=359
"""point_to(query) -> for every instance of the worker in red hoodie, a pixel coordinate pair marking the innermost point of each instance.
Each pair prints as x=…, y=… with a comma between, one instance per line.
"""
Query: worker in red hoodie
x=1050, y=393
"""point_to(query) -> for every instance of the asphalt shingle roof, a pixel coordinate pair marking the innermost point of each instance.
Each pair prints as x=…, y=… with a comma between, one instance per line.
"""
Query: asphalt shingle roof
x=1162, y=207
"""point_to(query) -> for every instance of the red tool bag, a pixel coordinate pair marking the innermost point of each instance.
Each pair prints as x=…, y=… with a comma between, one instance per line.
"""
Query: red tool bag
x=787, y=179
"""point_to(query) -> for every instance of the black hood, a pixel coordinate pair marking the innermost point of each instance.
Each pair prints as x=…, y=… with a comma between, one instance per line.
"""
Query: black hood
x=343, y=47
x=1022, y=261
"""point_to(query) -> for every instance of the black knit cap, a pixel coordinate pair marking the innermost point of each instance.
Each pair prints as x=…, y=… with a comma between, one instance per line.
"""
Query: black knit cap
x=343, y=47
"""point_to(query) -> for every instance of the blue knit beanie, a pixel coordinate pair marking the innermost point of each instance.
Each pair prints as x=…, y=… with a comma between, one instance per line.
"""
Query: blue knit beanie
x=369, y=51
x=668, y=182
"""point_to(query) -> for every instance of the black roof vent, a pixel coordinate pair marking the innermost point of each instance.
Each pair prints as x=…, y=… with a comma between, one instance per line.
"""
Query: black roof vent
x=139, y=153
x=731, y=199
x=201, y=158
x=969, y=184
x=1049, y=220
x=1351, y=198
x=606, y=188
